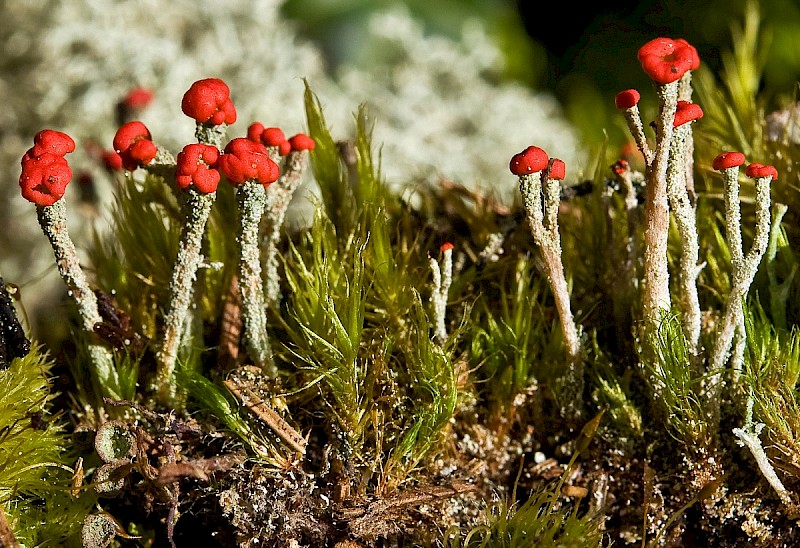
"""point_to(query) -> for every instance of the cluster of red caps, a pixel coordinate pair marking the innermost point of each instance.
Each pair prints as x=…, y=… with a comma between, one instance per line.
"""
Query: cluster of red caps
x=274, y=137
x=46, y=173
x=134, y=145
x=533, y=159
x=728, y=160
x=665, y=60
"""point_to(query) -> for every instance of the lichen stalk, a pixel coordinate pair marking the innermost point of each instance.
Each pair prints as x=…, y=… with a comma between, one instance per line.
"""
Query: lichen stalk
x=53, y=221
x=634, y=120
x=251, y=198
x=552, y=200
x=211, y=134
x=163, y=165
x=279, y=196
x=749, y=437
x=656, y=297
x=549, y=243
x=197, y=207
x=685, y=219
x=685, y=94
x=742, y=278
x=442, y=279
x=778, y=291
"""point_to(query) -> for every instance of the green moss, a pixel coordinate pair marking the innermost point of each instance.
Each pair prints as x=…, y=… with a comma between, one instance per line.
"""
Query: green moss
x=36, y=457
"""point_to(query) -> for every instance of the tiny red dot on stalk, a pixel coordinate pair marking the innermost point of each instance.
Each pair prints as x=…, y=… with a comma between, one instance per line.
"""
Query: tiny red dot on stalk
x=686, y=112
x=626, y=99
x=301, y=141
x=138, y=98
x=620, y=166
x=727, y=160
x=756, y=171
x=530, y=160
x=558, y=169
x=447, y=246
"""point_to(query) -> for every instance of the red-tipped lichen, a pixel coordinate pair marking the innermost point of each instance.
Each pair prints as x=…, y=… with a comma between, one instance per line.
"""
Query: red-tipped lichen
x=209, y=101
x=666, y=60
x=196, y=166
x=530, y=160
x=243, y=160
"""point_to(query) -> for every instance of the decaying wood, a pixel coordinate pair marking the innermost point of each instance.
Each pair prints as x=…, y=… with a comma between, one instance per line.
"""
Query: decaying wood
x=244, y=391
x=369, y=519
x=230, y=328
x=7, y=538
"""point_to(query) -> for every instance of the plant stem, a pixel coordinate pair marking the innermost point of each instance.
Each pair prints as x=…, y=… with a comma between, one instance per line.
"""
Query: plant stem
x=656, y=276
x=549, y=242
x=53, y=221
x=251, y=197
x=197, y=207
x=744, y=270
x=687, y=227
x=278, y=198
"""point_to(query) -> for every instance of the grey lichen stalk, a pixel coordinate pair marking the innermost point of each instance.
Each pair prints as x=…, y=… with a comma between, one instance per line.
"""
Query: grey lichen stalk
x=543, y=222
x=685, y=219
x=210, y=134
x=442, y=279
x=744, y=269
x=749, y=437
x=197, y=207
x=251, y=198
x=656, y=298
x=53, y=221
x=278, y=197
x=634, y=120
x=163, y=165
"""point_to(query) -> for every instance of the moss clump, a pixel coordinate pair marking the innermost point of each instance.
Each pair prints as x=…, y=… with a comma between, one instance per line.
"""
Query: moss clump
x=36, y=457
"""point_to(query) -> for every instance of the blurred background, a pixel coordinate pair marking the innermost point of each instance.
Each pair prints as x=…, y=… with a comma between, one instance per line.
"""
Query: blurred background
x=584, y=54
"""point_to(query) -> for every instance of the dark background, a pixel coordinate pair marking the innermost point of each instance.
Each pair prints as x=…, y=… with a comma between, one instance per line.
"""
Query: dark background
x=582, y=53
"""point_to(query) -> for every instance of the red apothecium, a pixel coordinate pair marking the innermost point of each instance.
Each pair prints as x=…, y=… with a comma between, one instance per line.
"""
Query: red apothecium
x=196, y=165
x=134, y=145
x=686, y=112
x=756, y=171
x=727, y=160
x=666, y=60
x=626, y=99
x=301, y=141
x=209, y=101
x=45, y=172
x=244, y=160
x=530, y=160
